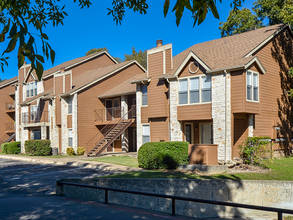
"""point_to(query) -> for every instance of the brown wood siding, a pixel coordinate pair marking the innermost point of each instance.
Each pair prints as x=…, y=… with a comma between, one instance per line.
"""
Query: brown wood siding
x=157, y=90
x=240, y=132
x=118, y=145
x=185, y=71
x=159, y=128
x=168, y=57
x=271, y=84
x=238, y=89
x=194, y=112
x=98, y=62
x=144, y=114
x=21, y=75
x=48, y=83
x=58, y=90
x=69, y=121
x=67, y=82
x=5, y=117
x=88, y=102
x=252, y=107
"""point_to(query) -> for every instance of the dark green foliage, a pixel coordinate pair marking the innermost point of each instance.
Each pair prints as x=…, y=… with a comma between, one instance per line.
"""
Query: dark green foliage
x=162, y=155
x=13, y=147
x=38, y=147
x=4, y=148
x=70, y=151
x=255, y=149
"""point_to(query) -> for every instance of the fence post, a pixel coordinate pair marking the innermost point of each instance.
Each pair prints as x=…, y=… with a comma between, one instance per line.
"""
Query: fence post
x=173, y=206
x=280, y=216
x=106, y=196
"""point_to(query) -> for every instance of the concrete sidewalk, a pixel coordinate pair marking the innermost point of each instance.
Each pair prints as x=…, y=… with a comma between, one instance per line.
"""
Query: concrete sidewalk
x=77, y=161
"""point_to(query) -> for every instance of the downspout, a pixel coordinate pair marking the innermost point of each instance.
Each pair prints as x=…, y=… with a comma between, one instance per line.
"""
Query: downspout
x=226, y=114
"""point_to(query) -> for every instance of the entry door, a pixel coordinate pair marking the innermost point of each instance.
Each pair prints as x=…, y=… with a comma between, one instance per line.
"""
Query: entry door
x=188, y=133
x=206, y=133
x=109, y=104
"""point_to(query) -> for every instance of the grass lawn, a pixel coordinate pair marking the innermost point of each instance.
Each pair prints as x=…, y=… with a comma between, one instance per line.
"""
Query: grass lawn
x=120, y=160
x=281, y=169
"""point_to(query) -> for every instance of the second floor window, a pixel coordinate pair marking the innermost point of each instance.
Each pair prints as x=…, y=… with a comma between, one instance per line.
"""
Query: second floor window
x=195, y=90
x=144, y=91
x=69, y=105
x=31, y=89
x=252, y=85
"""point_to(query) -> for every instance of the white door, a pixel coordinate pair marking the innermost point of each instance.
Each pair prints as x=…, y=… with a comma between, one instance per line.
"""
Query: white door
x=206, y=133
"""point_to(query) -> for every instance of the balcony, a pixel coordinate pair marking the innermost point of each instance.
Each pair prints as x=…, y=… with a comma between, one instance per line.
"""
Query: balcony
x=10, y=127
x=112, y=115
x=35, y=117
x=10, y=107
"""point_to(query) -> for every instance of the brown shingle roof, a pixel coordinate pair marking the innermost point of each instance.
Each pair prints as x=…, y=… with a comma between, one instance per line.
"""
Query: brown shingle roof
x=70, y=62
x=124, y=88
x=92, y=76
x=227, y=51
x=32, y=99
x=8, y=81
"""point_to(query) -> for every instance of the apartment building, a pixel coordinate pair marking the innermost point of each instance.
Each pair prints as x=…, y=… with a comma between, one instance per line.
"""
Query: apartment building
x=216, y=92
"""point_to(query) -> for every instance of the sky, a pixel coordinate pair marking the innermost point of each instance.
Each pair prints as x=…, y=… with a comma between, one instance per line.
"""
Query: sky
x=89, y=28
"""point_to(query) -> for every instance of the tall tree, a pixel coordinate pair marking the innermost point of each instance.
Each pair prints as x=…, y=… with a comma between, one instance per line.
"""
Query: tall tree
x=140, y=57
x=15, y=15
x=95, y=50
x=239, y=22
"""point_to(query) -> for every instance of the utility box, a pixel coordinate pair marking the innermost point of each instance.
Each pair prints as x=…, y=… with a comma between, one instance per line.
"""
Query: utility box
x=204, y=154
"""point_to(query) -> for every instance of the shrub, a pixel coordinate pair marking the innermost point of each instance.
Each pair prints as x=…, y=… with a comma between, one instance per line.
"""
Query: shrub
x=38, y=147
x=255, y=150
x=13, y=147
x=70, y=151
x=162, y=155
x=80, y=151
x=4, y=148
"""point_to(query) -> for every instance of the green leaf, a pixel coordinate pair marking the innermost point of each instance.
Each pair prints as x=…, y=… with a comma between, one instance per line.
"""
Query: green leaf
x=214, y=9
x=6, y=27
x=39, y=70
x=45, y=36
x=13, y=30
x=30, y=42
x=40, y=58
x=166, y=7
x=2, y=37
x=11, y=45
x=20, y=60
x=52, y=55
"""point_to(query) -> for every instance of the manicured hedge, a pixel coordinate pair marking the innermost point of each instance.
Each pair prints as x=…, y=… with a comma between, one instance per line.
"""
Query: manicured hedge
x=162, y=155
x=13, y=147
x=38, y=147
x=4, y=148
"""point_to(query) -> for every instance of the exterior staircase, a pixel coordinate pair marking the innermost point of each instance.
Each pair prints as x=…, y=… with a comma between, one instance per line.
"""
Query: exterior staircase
x=109, y=133
x=6, y=138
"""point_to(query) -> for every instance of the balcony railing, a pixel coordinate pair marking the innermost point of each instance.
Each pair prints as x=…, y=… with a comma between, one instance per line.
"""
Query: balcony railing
x=111, y=114
x=35, y=117
x=10, y=106
x=10, y=127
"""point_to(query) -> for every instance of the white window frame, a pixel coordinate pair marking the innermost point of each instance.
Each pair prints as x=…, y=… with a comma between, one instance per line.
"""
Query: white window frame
x=192, y=131
x=69, y=103
x=144, y=105
x=188, y=90
x=252, y=86
x=31, y=89
x=70, y=131
x=146, y=124
x=31, y=111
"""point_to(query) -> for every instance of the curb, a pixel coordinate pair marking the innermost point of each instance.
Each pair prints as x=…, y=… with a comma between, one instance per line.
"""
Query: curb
x=86, y=164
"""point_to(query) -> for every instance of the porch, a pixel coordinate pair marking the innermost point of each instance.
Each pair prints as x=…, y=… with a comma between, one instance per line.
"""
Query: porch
x=36, y=117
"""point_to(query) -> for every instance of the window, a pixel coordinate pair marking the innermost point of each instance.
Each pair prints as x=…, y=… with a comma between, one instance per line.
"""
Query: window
x=69, y=100
x=252, y=82
x=33, y=112
x=144, y=90
x=31, y=89
x=146, y=134
x=70, y=138
x=195, y=90
x=36, y=135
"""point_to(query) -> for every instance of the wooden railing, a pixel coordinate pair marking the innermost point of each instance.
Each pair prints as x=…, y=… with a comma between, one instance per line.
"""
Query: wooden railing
x=10, y=126
x=108, y=114
x=35, y=117
x=10, y=106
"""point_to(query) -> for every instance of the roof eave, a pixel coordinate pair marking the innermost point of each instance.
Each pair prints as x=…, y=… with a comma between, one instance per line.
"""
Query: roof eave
x=118, y=94
x=146, y=80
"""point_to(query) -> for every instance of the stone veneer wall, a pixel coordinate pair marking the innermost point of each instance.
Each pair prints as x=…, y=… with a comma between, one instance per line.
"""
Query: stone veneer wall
x=219, y=115
x=124, y=135
x=175, y=126
x=138, y=117
x=54, y=130
x=17, y=119
x=74, y=122
x=64, y=129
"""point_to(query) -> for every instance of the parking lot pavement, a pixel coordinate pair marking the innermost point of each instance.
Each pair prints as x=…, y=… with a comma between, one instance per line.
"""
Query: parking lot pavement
x=18, y=178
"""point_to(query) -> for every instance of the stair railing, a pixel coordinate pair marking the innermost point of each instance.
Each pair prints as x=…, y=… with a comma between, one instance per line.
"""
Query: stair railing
x=3, y=138
x=104, y=132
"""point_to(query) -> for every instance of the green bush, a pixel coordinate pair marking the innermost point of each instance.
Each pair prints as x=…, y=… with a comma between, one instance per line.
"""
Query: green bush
x=38, y=147
x=255, y=150
x=162, y=155
x=13, y=147
x=4, y=148
x=80, y=151
x=70, y=151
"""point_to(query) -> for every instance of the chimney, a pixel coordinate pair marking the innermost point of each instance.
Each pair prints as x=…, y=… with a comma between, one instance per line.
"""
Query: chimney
x=159, y=43
x=62, y=69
